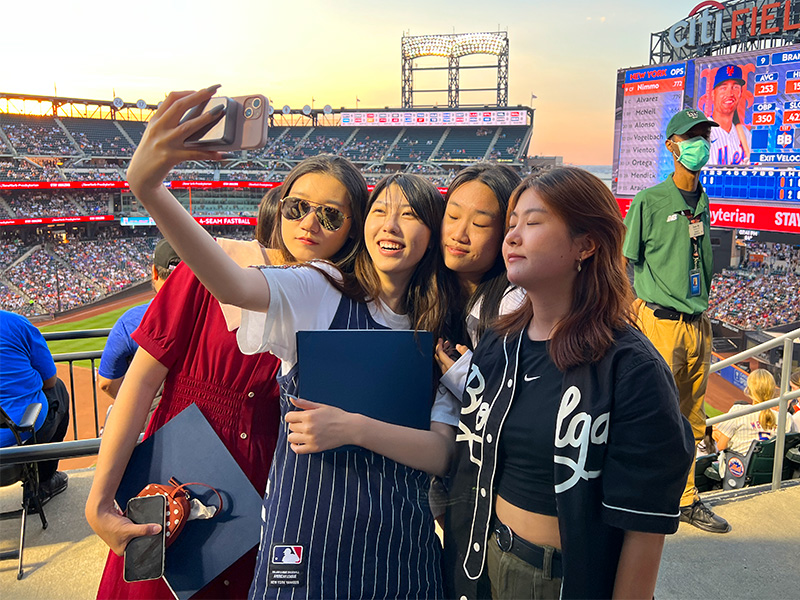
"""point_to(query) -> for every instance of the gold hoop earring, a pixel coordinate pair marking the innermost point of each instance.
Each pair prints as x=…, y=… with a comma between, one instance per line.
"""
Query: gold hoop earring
x=580, y=260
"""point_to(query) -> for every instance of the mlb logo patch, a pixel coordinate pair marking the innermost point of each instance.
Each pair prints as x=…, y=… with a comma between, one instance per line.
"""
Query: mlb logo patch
x=287, y=555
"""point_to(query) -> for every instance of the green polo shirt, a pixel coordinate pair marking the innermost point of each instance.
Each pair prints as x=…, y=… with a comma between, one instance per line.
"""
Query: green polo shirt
x=659, y=246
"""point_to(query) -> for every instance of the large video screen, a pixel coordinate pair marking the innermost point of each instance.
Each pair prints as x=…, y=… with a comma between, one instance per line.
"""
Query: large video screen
x=754, y=96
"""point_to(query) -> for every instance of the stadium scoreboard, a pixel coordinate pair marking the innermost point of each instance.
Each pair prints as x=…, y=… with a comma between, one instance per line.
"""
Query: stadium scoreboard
x=755, y=161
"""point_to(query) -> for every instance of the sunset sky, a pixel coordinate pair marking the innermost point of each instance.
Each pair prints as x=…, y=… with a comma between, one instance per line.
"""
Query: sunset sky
x=566, y=53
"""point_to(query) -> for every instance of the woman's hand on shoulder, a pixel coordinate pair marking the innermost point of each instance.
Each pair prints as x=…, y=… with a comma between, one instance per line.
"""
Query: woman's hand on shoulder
x=115, y=529
x=162, y=145
x=317, y=427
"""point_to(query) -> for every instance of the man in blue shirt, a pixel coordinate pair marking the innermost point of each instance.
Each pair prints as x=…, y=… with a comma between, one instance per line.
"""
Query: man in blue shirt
x=28, y=375
x=120, y=347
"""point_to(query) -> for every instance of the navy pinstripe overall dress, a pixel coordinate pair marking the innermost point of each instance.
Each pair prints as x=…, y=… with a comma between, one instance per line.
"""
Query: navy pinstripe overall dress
x=357, y=523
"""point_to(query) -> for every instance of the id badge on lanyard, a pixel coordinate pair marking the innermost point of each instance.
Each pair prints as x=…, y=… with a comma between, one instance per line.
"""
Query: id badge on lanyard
x=694, y=282
x=696, y=230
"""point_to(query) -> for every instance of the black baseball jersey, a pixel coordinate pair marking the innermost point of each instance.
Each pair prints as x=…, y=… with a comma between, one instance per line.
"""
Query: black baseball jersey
x=620, y=456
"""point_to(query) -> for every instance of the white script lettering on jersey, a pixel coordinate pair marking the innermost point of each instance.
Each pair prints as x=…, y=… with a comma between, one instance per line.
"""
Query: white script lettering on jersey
x=474, y=390
x=579, y=433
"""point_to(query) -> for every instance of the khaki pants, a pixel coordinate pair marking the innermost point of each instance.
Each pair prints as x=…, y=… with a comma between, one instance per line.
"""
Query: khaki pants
x=514, y=579
x=686, y=347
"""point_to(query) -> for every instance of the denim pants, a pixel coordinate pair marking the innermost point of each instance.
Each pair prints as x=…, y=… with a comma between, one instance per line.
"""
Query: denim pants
x=513, y=578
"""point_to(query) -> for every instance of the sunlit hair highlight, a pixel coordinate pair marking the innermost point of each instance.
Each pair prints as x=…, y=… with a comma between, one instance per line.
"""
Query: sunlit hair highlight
x=761, y=387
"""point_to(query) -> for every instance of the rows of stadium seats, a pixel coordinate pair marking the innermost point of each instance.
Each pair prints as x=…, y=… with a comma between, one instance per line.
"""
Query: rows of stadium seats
x=98, y=137
x=36, y=136
x=466, y=144
x=29, y=204
x=69, y=271
x=416, y=145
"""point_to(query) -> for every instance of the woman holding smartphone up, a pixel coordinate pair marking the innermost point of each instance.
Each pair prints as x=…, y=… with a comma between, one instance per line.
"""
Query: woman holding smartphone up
x=184, y=343
x=572, y=453
x=380, y=540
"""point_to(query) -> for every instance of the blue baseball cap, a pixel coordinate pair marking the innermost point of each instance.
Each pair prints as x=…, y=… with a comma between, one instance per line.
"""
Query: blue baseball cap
x=728, y=73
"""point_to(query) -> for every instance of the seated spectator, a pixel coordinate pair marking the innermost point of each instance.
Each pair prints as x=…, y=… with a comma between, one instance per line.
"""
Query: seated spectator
x=737, y=434
x=27, y=376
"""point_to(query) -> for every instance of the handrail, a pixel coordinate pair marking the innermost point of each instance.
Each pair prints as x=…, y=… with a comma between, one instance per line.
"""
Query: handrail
x=753, y=408
x=782, y=401
x=755, y=350
x=82, y=334
x=52, y=451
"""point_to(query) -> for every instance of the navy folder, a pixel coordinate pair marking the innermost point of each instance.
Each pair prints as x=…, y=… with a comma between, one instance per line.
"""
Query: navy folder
x=381, y=373
x=188, y=449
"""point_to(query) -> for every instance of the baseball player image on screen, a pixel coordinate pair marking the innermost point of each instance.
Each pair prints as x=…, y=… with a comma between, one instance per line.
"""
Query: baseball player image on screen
x=730, y=142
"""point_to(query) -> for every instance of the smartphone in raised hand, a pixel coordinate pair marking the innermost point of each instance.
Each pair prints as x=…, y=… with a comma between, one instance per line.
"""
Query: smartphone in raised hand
x=144, y=556
x=240, y=125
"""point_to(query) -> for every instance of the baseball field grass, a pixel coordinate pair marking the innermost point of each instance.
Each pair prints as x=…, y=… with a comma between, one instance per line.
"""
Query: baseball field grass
x=102, y=321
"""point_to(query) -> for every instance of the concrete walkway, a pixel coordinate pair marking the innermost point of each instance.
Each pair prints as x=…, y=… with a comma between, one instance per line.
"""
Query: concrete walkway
x=757, y=559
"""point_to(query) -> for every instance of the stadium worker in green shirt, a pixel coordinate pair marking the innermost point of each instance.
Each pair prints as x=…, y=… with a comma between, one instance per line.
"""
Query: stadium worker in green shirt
x=669, y=244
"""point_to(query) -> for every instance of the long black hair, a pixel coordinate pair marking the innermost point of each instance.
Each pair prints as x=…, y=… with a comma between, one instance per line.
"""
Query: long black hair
x=502, y=181
x=432, y=290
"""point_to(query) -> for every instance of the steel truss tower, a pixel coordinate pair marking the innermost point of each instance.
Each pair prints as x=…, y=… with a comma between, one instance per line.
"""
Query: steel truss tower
x=453, y=47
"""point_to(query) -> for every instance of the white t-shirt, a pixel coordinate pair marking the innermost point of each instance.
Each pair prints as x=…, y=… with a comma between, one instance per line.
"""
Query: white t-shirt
x=302, y=299
x=727, y=148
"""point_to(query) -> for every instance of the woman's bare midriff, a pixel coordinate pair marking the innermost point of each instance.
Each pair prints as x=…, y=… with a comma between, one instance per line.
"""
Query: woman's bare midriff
x=532, y=527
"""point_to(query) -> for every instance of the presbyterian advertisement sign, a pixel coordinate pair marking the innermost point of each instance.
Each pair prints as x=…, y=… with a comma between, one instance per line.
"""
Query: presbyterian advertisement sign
x=785, y=219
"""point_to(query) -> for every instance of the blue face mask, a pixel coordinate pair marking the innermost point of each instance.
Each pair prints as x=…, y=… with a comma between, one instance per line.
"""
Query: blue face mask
x=694, y=153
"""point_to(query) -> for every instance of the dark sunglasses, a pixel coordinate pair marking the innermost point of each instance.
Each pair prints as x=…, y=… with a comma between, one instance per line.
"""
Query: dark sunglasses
x=329, y=218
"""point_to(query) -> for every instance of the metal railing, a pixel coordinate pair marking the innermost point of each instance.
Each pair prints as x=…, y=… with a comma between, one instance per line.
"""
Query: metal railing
x=76, y=447
x=782, y=401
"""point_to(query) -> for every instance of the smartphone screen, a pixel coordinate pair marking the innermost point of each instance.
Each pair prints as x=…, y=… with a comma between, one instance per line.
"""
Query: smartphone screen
x=144, y=556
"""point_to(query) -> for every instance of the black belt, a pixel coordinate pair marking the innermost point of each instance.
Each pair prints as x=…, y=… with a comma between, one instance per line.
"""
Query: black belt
x=661, y=312
x=531, y=553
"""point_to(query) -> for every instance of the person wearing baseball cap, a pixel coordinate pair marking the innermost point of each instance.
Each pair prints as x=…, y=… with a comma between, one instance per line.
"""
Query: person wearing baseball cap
x=730, y=144
x=668, y=242
x=120, y=347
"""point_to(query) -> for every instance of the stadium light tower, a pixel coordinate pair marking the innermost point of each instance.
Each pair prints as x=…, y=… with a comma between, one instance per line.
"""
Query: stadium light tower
x=453, y=47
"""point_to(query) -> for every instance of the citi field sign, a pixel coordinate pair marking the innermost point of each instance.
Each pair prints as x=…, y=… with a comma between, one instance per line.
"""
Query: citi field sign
x=714, y=23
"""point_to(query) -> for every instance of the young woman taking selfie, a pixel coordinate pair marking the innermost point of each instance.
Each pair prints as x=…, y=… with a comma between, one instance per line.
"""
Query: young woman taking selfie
x=380, y=492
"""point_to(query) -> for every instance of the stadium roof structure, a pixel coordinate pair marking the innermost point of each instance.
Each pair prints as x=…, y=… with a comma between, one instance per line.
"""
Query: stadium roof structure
x=76, y=107
x=713, y=28
x=453, y=47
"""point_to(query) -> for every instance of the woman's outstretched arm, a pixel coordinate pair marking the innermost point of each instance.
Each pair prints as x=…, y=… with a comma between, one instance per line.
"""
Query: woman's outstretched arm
x=161, y=149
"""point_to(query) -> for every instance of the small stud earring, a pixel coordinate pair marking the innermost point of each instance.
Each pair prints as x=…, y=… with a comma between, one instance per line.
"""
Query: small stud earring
x=580, y=260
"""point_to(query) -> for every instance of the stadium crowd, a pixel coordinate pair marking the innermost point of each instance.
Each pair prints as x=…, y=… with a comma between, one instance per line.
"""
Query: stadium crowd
x=28, y=204
x=763, y=292
x=39, y=140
